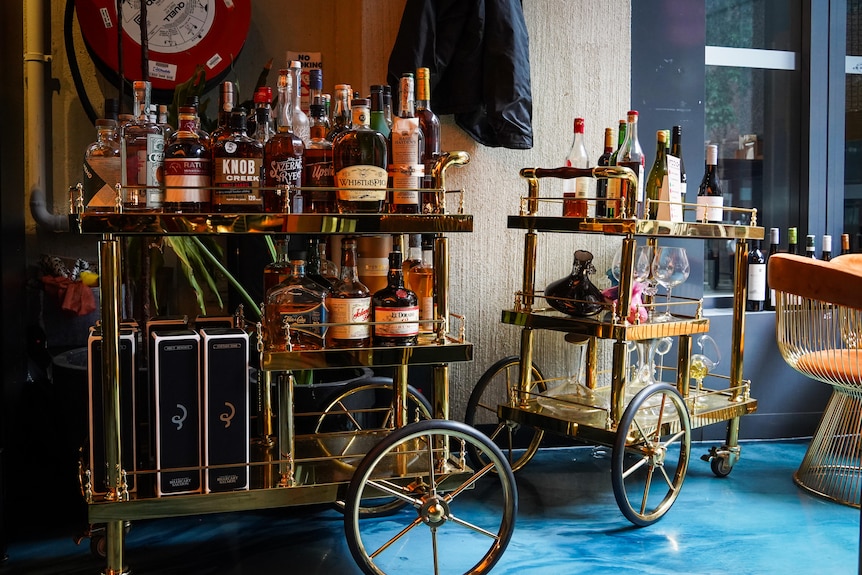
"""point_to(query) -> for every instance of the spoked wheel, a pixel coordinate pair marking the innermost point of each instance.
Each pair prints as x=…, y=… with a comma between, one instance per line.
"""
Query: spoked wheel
x=651, y=452
x=495, y=387
x=367, y=406
x=459, y=522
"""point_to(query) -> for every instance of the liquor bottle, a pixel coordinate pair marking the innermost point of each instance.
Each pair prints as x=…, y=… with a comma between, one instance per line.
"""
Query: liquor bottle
x=774, y=242
x=810, y=250
x=315, y=90
x=187, y=168
x=429, y=122
x=792, y=241
x=373, y=260
x=341, y=113
x=226, y=103
x=162, y=121
x=378, y=117
x=359, y=160
x=301, y=126
x=263, y=129
x=387, y=104
x=101, y=169
x=277, y=270
x=312, y=264
x=631, y=156
x=577, y=190
x=676, y=151
x=845, y=244
x=657, y=179
x=710, y=201
x=350, y=303
x=826, y=252
x=414, y=255
x=142, y=152
x=395, y=303
x=756, y=299
x=328, y=268
x=237, y=161
x=420, y=279
x=602, y=184
x=613, y=205
x=317, y=167
x=283, y=155
x=203, y=135
x=300, y=304
x=406, y=152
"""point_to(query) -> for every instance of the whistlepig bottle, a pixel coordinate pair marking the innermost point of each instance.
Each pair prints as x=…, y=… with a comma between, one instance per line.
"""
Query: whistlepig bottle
x=395, y=303
x=359, y=160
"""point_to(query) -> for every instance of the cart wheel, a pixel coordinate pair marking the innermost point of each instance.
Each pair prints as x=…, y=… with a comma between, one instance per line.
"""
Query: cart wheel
x=460, y=523
x=495, y=388
x=651, y=452
x=99, y=545
x=363, y=407
x=720, y=466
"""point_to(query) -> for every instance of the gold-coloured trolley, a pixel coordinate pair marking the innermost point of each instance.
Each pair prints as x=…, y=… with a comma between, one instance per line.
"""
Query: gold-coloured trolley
x=396, y=467
x=646, y=419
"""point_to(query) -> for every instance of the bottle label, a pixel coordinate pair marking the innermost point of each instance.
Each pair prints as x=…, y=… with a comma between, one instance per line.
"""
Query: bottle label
x=152, y=166
x=352, y=311
x=101, y=174
x=284, y=172
x=319, y=174
x=239, y=180
x=426, y=311
x=306, y=321
x=405, y=167
x=406, y=176
x=361, y=183
x=407, y=318
x=757, y=282
x=710, y=207
x=183, y=179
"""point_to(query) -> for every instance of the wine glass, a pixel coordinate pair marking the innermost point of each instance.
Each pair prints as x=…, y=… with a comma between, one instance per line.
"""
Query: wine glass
x=704, y=362
x=641, y=265
x=670, y=268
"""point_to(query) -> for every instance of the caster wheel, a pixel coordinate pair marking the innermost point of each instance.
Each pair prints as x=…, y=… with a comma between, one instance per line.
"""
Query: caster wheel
x=720, y=466
x=99, y=545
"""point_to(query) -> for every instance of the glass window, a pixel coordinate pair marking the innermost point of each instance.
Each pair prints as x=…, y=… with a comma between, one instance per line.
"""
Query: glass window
x=853, y=127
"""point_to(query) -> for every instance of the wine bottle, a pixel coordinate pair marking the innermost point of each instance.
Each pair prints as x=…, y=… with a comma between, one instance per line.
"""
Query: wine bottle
x=756, y=278
x=810, y=251
x=710, y=201
x=350, y=303
x=396, y=308
x=577, y=190
x=612, y=205
x=826, y=253
x=676, y=150
x=774, y=241
x=792, y=241
x=631, y=156
x=602, y=184
x=845, y=244
x=657, y=179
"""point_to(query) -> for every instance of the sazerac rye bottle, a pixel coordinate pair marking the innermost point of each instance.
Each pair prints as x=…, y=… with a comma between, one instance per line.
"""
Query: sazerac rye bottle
x=359, y=160
x=300, y=303
x=350, y=303
x=395, y=309
x=187, y=168
x=282, y=153
x=237, y=161
x=407, y=151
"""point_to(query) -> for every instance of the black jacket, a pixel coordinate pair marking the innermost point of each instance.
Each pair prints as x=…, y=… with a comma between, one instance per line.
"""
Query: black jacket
x=478, y=55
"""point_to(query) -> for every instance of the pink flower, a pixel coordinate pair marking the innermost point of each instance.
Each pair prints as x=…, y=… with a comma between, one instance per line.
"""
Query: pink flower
x=637, y=311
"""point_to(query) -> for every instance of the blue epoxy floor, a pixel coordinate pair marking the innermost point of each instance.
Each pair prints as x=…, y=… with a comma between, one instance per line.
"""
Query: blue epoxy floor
x=756, y=521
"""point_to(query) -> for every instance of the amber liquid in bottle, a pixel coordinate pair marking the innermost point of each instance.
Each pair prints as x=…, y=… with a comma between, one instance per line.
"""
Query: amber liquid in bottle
x=395, y=303
x=317, y=167
x=430, y=124
x=300, y=303
x=187, y=168
x=406, y=154
x=282, y=155
x=350, y=303
x=237, y=161
x=359, y=160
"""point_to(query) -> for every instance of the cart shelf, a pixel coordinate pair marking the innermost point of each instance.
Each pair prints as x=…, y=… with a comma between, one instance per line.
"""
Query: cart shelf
x=694, y=230
x=602, y=326
x=426, y=354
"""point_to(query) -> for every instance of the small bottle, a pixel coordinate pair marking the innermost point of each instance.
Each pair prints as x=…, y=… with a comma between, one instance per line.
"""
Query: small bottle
x=312, y=264
x=359, y=161
x=378, y=117
x=657, y=179
x=676, y=151
x=774, y=242
x=237, y=161
x=395, y=303
x=577, y=190
x=301, y=125
x=406, y=153
x=792, y=241
x=414, y=255
x=263, y=129
x=187, y=168
x=317, y=167
x=810, y=250
x=226, y=103
x=350, y=303
x=300, y=303
x=420, y=279
x=101, y=169
x=142, y=152
x=387, y=104
x=162, y=121
x=283, y=155
x=826, y=253
x=710, y=201
x=429, y=122
x=756, y=299
x=631, y=156
x=341, y=113
x=315, y=90
x=845, y=244
x=602, y=184
x=277, y=270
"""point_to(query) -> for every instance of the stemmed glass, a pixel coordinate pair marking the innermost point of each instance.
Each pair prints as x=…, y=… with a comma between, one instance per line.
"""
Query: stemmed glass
x=669, y=268
x=641, y=266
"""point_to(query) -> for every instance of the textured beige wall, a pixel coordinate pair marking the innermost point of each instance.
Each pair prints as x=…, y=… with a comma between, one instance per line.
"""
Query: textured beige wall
x=580, y=61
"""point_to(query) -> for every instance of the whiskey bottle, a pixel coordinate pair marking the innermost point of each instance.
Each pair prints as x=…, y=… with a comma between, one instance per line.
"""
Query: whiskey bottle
x=341, y=114
x=226, y=103
x=203, y=135
x=298, y=306
x=283, y=155
x=277, y=270
x=359, y=161
x=187, y=168
x=420, y=279
x=101, y=169
x=313, y=264
x=350, y=303
x=317, y=167
x=414, y=255
x=407, y=149
x=237, y=161
x=263, y=129
x=142, y=152
x=395, y=309
x=301, y=125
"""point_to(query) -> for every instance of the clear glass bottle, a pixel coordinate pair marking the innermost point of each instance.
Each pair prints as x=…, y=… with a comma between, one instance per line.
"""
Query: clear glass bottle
x=142, y=153
x=301, y=125
x=710, y=200
x=406, y=149
x=277, y=270
x=263, y=129
x=657, y=179
x=577, y=190
x=162, y=121
x=359, y=160
x=395, y=303
x=300, y=303
x=420, y=279
x=237, y=161
x=101, y=169
x=317, y=167
x=341, y=113
x=350, y=303
x=631, y=156
x=187, y=168
x=283, y=155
